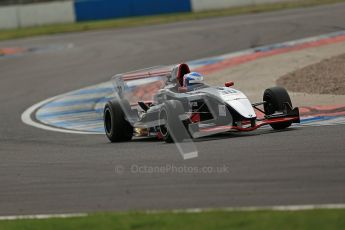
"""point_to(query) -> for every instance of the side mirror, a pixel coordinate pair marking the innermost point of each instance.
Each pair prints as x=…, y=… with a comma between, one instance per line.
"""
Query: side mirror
x=229, y=83
x=182, y=89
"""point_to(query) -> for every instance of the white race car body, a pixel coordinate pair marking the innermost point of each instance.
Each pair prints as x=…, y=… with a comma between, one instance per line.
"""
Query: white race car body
x=147, y=94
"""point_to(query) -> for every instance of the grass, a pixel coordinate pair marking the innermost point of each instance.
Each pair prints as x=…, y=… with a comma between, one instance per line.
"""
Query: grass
x=265, y=220
x=153, y=20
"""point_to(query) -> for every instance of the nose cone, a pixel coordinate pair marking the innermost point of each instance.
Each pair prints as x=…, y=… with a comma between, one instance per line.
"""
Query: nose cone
x=243, y=107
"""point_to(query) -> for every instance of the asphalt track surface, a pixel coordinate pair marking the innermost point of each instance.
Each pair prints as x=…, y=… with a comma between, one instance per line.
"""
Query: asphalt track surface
x=50, y=172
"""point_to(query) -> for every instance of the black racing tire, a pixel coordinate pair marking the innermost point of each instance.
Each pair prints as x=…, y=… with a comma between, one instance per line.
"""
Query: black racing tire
x=276, y=99
x=116, y=127
x=170, y=112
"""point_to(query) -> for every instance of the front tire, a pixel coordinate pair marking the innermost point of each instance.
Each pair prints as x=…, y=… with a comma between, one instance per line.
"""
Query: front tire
x=277, y=100
x=116, y=127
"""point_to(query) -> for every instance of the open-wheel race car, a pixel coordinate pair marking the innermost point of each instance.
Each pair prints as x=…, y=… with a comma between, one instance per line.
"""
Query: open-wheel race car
x=172, y=103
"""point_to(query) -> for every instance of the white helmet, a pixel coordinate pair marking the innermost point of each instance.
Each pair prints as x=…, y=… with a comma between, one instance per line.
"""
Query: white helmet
x=192, y=78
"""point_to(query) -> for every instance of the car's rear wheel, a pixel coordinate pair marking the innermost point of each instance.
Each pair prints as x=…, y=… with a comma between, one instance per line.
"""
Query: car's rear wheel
x=277, y=100
x=170, y=126
x=117, y=128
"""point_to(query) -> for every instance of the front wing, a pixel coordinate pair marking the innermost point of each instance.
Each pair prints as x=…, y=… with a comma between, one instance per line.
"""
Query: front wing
x=293, y=116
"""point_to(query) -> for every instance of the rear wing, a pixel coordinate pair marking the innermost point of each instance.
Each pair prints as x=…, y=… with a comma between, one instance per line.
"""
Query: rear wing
x=141, y=85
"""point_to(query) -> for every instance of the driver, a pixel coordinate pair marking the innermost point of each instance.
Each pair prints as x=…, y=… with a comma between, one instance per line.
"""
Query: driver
x=191, y=80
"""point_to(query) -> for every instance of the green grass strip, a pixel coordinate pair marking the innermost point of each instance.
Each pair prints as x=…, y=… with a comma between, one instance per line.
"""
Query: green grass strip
x=265, y=220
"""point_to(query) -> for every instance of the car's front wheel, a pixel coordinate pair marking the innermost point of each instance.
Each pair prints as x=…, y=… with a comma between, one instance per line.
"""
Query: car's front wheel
x=276, y=100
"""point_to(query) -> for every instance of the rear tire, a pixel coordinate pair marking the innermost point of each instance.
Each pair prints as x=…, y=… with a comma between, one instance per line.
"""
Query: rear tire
x=116, y=127
x=276, y=99
x=170, y=113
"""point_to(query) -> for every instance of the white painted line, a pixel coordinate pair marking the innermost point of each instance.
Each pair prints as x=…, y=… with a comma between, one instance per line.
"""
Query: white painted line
x=258, y=208
x=26, y=118
x=43, y=216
